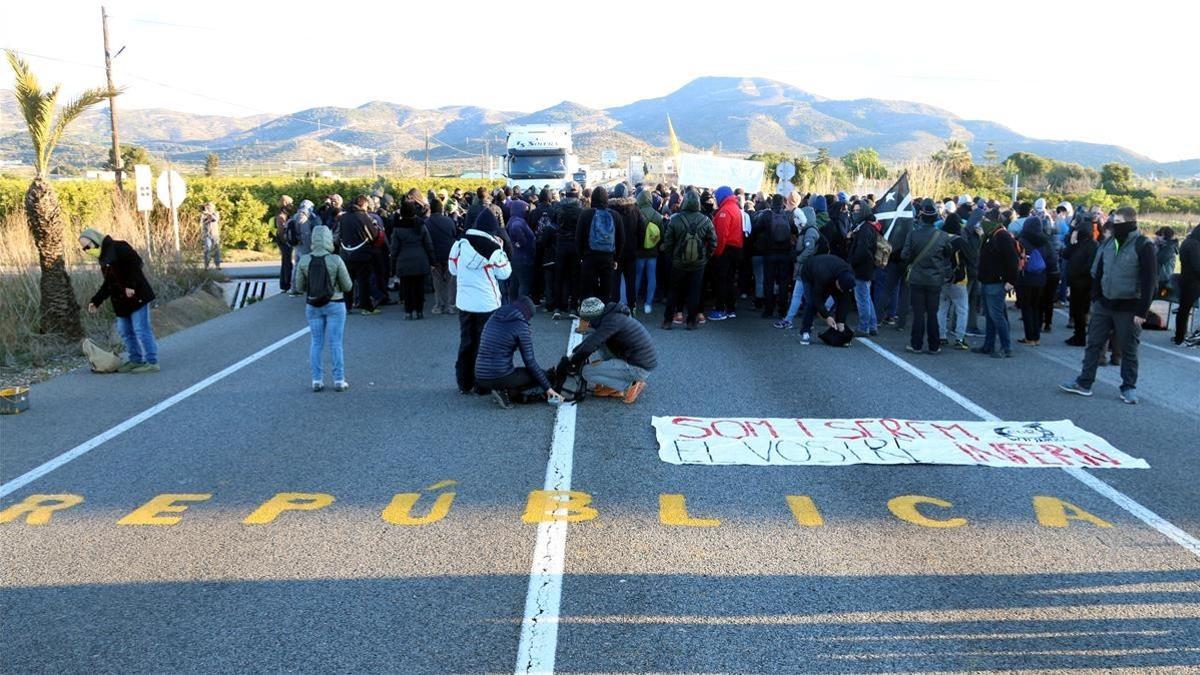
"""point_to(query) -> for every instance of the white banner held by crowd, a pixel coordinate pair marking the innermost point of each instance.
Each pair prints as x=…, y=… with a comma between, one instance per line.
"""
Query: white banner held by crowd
x=840, y=442
x=707, y=171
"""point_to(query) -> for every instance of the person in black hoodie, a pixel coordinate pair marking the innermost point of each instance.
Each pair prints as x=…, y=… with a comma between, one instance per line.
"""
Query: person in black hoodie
x=125, y=285
x=545, y=232
x=412, y=257
x=632, y=231
x=507, y=331
x=825, y=276
x=863, y=240
x=443, y=231
x=566, y=263
x=598, y=243
x=999, y=265
x=1079, y=254
x=356, y=234
x=1189, y=282
x=1033, y=280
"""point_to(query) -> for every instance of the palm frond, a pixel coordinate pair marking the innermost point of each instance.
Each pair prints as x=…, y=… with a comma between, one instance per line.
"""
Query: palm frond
x=70, y=112
x=37, y=107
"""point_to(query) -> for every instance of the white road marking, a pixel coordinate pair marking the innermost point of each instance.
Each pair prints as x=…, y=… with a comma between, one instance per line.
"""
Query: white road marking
x=1164, y=350
x=539, y=628
x=90, y=444
x=1187, y=541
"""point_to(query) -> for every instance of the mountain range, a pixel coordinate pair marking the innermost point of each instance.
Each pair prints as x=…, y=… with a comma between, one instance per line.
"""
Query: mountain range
x=734, y=116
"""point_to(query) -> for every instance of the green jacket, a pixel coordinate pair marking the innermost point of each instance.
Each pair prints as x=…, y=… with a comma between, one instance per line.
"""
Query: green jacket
x=322, y=245
x=645, y=206
x=687, y=220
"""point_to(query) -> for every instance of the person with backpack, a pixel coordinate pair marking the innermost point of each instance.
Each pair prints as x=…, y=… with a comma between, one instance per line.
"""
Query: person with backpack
x=545, y=233
x=776, y=243
x=357, y=233
x=955, y=296
x=599, y=236
x=1125, y=272
x=299, y=227
x=125, y=286
x=443, y=232
x=1078, y=256
x=689, y=241
x=1167, y=252
x=479, y=263
x=649, y=245
x=524, y=250
x=1040, y=261
x=624, y=276
x=412, y=257
x=809, y=243
x=999, y=267
x=506, y=332
x=926, y=254
x=864, y=240
x=626, y=352
x=727, y=257
x=324, y=279
x=281, y=240
x=826, y=277
x=566, y=261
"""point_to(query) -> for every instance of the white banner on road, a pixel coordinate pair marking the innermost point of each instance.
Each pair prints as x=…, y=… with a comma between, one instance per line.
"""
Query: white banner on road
x=840, y=442
x=706, y=171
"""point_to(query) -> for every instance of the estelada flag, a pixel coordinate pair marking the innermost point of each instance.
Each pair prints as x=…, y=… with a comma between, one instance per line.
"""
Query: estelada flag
x=894, y=205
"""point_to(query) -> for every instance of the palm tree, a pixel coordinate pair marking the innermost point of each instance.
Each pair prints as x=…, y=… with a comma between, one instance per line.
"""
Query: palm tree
x=956, y=156
x=59, y=309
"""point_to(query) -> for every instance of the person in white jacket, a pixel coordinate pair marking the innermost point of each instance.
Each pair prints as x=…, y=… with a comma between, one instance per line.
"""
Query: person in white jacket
x=478, y=263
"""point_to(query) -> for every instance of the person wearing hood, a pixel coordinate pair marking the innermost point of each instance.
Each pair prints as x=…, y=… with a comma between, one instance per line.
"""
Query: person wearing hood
x=545, y=235
x=632, y=227
x=1189, y=282
x=727, y=256
x=863, y=241
x=999, y=265
x=649, y=244
x=1167, y=248
x=412, y=257
x=954, y=293
x=689, y=241
x=1124, y=278
x=126, y=287
x=566, y=261
x=524, y=249
x=775, y=235
x=357, y=233
x=927, y=254
x=809, y=243
x=894, y=307
x=299, y=227
x=443, y=232
x=599, y=238
x=285, y=248
x=1078, y=256
x=478, y=263
x=324, y=309
x=506, y=332
x=1041, y=264
x=626, y=352
x=826, y=278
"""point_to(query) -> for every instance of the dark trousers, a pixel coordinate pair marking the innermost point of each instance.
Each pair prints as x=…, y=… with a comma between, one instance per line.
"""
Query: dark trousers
x=413, y=289
x=624, y=278
x=974, y=305
x=521, y=385
x=924, y=301
x=521, y=281
x=548, y=295
x=566, y=281
x=470, y=328
x=1081, y=299
x=1188, y=292
x=895, y=295
x=595, y=276
x=1049, y=291
x=285, y=267
x=726, y=279
x=777, y=270
x=361, y=272
x=684, y=292
x=1101, y=324
x=1030, y=300
x=380, y=266
x=815, y=300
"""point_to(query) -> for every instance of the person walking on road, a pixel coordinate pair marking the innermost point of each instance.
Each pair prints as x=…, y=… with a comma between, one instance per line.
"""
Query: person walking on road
x=126, y=287
x=324, y=279
x=999, y=266
x=210, y=232
x=689, y=242
x=927, y=254
x=285, y=249
x=1125, y=272
x=478, y=263
x=412, y=258
x=627, y=354
x=508, y=331
x=443, y=232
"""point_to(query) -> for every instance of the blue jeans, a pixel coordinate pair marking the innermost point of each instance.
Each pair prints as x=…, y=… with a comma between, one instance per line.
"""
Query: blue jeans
x=867, y=321
x=330, y=321
x=895, y=293
x=756, y=263
x=135, y=330
x=647, y=268
x=997, y=318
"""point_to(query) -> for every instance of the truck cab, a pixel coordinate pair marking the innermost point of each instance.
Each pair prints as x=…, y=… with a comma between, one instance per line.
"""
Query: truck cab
x=538, y=155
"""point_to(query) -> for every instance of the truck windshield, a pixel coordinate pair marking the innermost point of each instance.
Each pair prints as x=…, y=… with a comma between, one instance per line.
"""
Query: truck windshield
x=537, y=166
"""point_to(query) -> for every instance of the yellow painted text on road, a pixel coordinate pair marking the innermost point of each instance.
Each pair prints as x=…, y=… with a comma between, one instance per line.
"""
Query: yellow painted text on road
x=399, y=511
x=151, y=512
x=672, y=510
x=1055, y=512
x=287, y=501
x=804, y=510
x=37, y=509
x=547, y=506
x=905, y=508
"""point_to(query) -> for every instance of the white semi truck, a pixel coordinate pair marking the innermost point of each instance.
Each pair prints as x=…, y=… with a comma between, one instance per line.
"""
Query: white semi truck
x=539, y=155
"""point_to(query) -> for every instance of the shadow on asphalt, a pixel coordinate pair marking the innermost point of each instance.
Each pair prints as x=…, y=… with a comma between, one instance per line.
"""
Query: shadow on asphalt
x=780, y=623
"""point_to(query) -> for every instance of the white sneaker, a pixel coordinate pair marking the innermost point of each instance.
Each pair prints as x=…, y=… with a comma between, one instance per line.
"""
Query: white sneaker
x=341, y=385
x=318, y=385
x=647, y=309
x=806, y=338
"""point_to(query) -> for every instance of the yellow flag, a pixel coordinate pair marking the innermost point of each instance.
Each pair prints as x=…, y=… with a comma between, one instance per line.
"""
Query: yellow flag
x=674, y=141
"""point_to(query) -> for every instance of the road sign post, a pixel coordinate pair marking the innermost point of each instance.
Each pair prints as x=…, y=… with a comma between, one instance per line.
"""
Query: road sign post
x=145, y=202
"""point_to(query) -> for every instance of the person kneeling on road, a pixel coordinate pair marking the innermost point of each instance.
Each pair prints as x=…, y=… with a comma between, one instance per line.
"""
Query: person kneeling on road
x=506, y=331
x=627, y=354
x=125, y=285
x=826, y=276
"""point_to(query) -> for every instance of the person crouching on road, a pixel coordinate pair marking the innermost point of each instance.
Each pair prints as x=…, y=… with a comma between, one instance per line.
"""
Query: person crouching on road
x=478, y=263
x=627, y=355
x=507, y=331
x=325, y=281
x=825, y=277
x=130, y=293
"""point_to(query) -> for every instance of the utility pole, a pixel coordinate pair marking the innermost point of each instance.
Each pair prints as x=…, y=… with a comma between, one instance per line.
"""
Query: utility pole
x=117, y=164
x=427, y=152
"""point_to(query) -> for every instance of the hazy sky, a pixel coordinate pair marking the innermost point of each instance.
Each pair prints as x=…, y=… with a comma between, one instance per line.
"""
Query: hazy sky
x=1048, y=69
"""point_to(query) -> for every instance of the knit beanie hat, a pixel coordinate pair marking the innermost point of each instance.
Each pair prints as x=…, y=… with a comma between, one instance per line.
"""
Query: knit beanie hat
x=591, y=308
x=92, y=235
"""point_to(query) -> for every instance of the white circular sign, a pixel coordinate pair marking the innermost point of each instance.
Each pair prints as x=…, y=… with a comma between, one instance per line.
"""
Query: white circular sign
x=173, y=193
x=608, y=156
x=785, y=170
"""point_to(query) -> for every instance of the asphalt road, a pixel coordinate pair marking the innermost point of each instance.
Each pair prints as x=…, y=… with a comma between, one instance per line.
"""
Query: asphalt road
x=361, y=579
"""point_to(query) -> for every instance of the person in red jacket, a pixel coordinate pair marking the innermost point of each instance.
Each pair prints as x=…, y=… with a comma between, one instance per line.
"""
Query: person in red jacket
x=728, y=256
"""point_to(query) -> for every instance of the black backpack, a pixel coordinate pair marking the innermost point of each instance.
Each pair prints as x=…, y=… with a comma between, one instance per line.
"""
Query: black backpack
x=822, y=246
x=780, y=233
x=291, y=232
x=320, y=285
